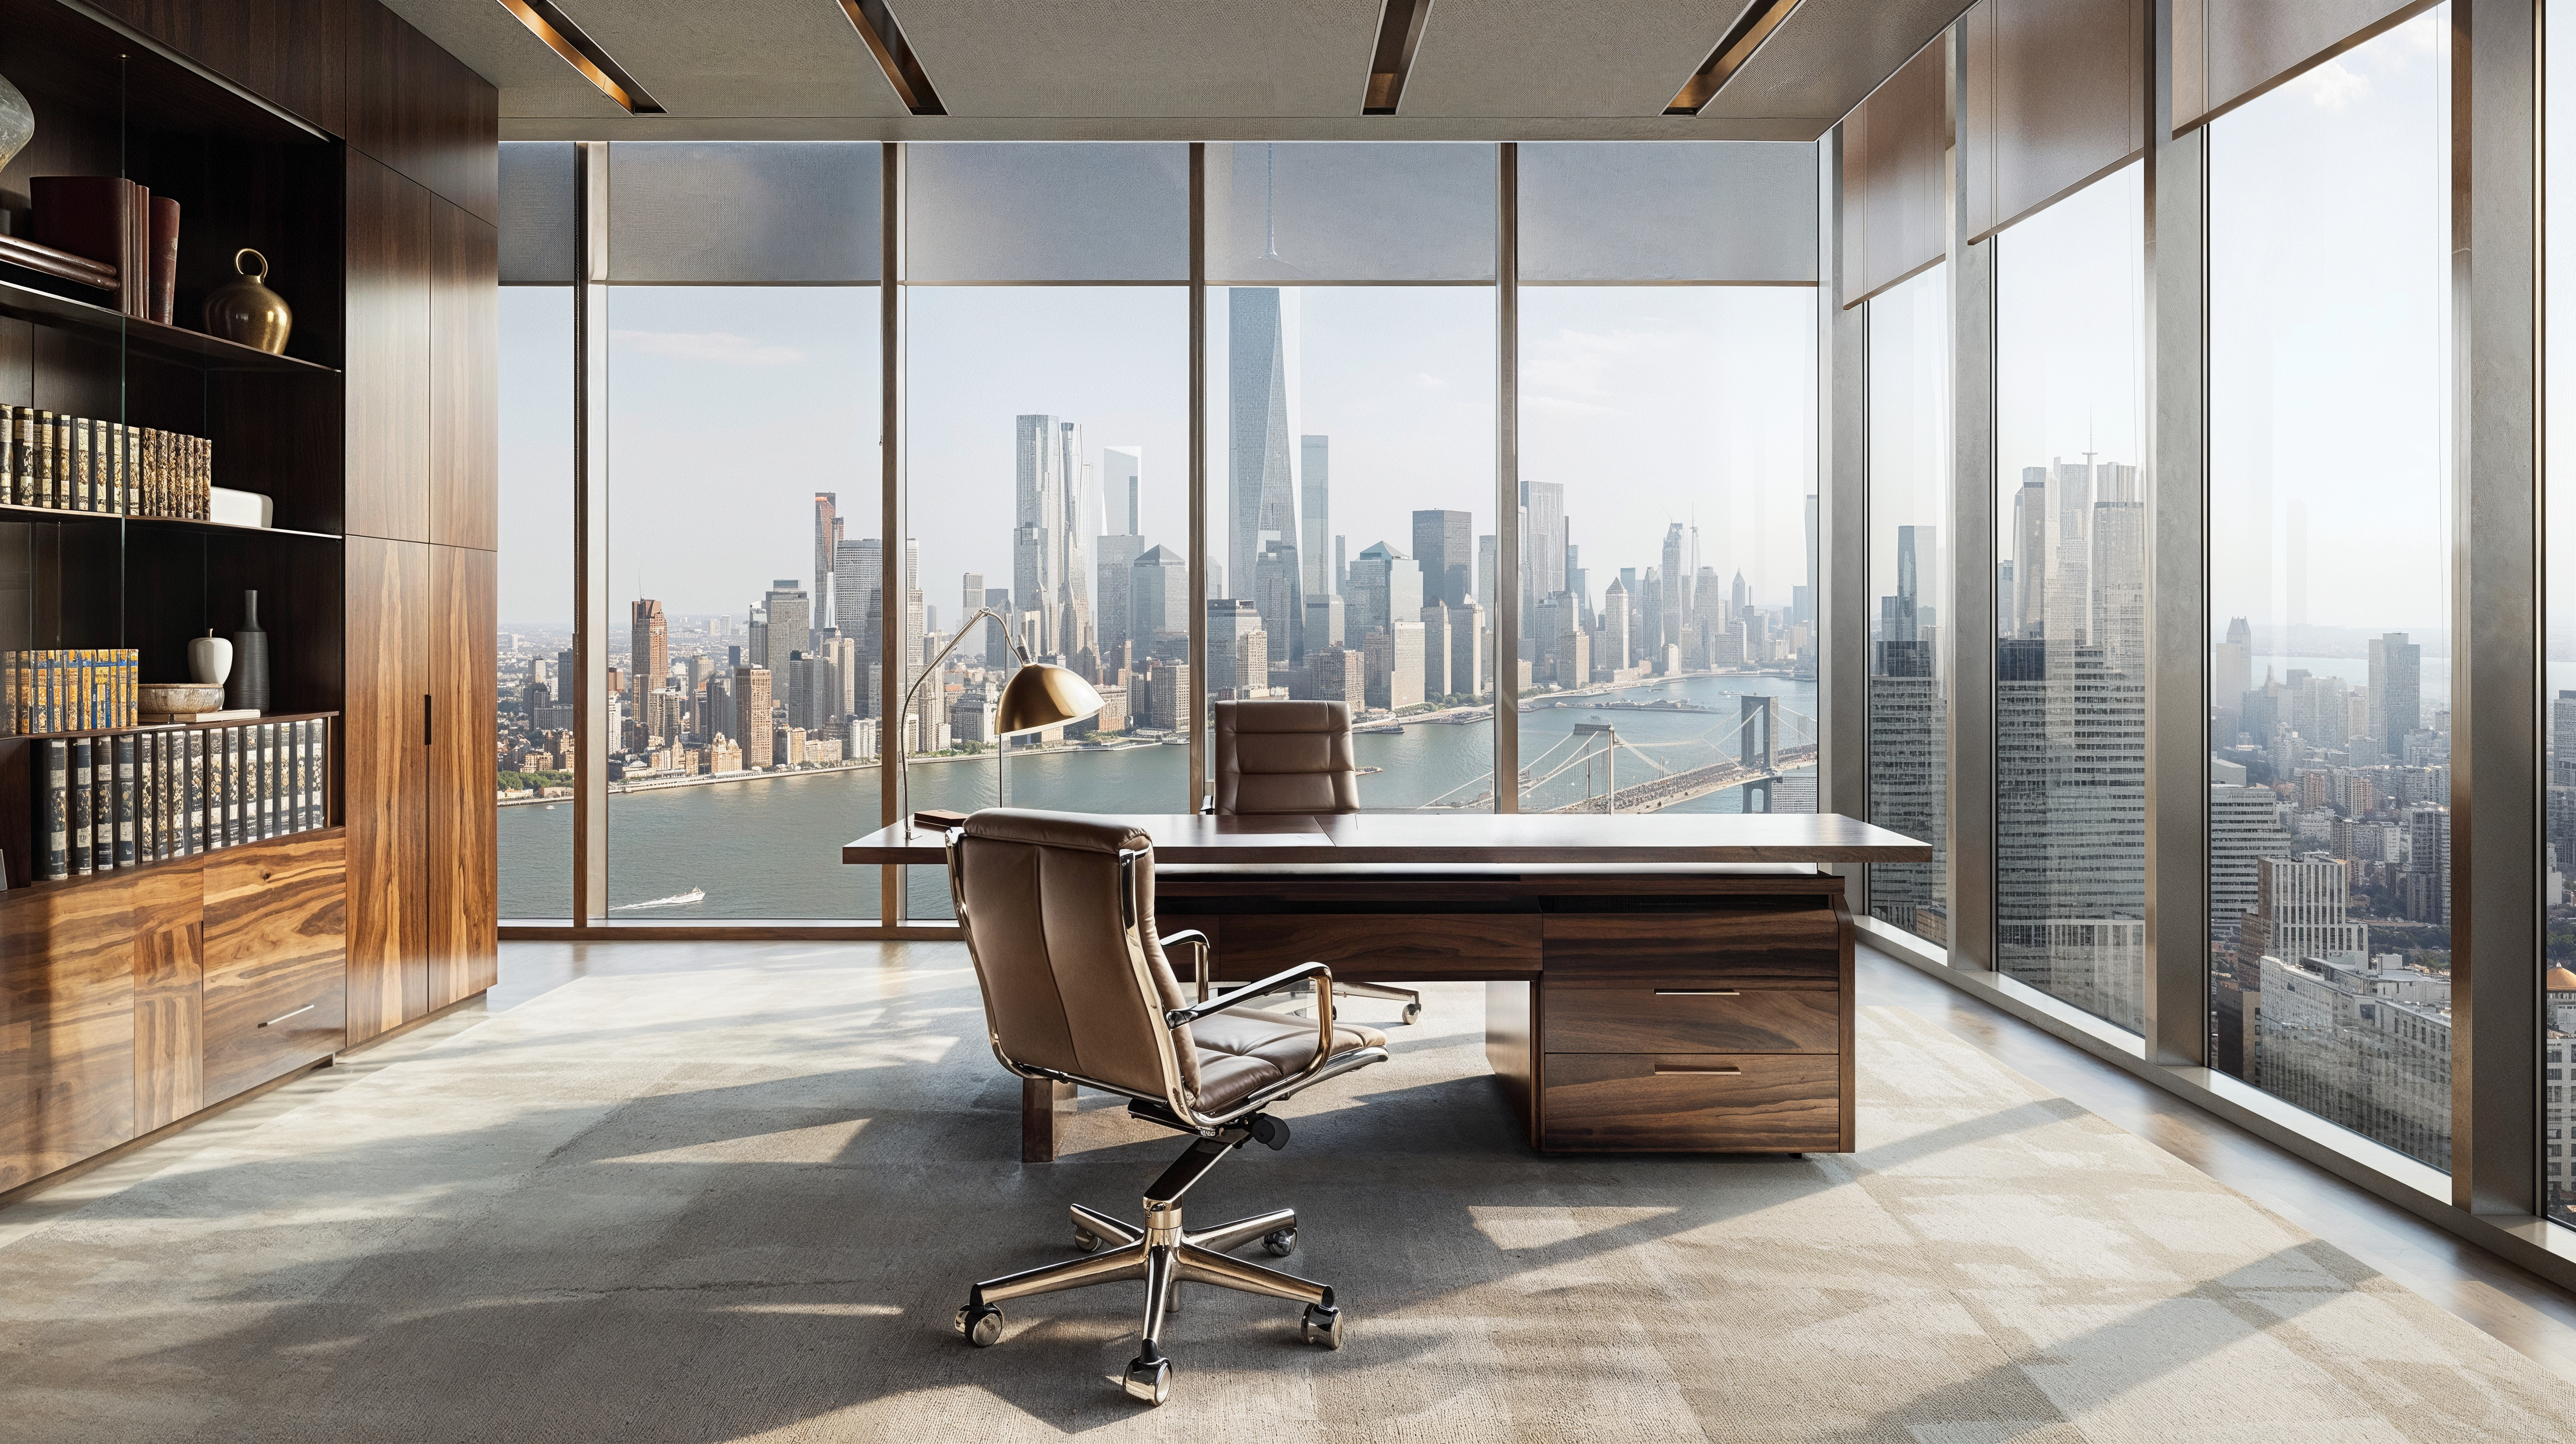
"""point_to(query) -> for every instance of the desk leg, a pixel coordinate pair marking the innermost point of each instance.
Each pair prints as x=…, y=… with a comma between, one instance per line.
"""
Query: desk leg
x=1042, y=1105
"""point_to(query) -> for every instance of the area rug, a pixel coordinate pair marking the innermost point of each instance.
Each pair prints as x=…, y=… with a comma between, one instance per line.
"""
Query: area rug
x=742, y=1202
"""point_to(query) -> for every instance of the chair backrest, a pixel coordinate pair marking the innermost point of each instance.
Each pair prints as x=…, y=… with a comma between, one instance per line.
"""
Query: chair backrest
x=1074, y=980
x=1285, y=757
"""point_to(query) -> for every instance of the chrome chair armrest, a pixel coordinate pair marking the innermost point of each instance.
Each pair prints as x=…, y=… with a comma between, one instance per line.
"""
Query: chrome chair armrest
x=1206, y=964
x=1178, y=1017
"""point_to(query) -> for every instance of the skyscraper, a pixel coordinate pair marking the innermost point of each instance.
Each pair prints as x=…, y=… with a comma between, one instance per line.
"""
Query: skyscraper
x=1037, y=536
x=751, y=714
x=1262, y=419
x=1122, y=485
x=2396, y=690
x=1315, y=495
x=857, y=569
x=1386, y=586
x=1676, y=590
x=1615, y=650
x=2119, y=570
x=650, y=659
x=1436, y=651
x=1441, y=541
x=827, y=540
x=1238, y=648
x=2030, y=553
x=791, y=618
x=2231, y=667
x=1160, y=595
x=1542, y=545
x=1116, y=594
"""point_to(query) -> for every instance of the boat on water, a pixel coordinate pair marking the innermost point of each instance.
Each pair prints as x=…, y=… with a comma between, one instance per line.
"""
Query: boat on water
x=695, y=894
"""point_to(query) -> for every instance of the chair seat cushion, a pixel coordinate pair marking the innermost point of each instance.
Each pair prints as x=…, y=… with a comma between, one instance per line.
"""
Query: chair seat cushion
x=1246, y=1050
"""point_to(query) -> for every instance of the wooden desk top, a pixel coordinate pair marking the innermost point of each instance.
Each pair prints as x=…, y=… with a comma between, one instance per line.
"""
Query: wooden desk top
x=1515, y=838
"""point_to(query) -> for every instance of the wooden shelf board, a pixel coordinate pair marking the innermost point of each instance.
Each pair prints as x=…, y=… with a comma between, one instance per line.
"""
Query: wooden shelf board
x=184, y=523
x=61, y=883
x=163, y=727
x=172, y=343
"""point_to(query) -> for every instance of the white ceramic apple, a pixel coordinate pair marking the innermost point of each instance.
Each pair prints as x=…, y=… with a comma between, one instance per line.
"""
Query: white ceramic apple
x=210, y=659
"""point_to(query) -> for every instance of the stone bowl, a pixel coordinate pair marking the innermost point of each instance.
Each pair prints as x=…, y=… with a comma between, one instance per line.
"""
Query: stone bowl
x=168, y=697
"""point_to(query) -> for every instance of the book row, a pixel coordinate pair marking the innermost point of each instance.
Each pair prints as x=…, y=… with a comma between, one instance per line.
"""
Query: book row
x=104, y=803
x=68, y=689
x=75, y=463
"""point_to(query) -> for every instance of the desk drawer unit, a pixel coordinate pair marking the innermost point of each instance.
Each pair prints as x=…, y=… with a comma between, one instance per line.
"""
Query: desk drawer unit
x=1724, y=1030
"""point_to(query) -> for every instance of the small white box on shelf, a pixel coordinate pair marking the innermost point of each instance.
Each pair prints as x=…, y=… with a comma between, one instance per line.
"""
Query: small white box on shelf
x=238, y=508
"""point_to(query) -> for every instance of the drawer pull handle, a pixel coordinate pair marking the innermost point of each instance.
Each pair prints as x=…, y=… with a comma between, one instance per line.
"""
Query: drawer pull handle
x=1699, y=992
x=282, y=1017
x=1662, y=1069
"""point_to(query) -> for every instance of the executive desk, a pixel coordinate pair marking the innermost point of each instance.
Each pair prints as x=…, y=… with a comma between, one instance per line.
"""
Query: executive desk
x=1664, y=982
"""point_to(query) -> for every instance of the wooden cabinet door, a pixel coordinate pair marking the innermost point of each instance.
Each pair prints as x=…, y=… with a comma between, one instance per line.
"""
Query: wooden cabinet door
x=464, y=877
x=169, y=992
x=276, y=920
x=387, y=385
x=66, y=1025
x=464, y=379
x=386, y=765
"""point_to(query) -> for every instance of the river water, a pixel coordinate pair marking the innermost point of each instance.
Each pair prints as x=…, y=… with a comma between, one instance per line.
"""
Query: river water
x=770, y=849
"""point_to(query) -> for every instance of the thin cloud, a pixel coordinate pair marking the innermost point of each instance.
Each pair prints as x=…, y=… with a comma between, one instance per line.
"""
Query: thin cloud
x=2332, y=87
x=723, y=348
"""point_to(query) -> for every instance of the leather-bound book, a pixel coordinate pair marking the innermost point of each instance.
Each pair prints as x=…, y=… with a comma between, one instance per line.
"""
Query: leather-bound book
x=96, y=216
x=165, y=260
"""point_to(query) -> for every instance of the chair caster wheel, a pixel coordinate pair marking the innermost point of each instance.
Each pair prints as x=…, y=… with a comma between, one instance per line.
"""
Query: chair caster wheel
x=1280, y=1241
x=1087, y=1241
x=1148, y=1382
x=980, y=1325
x=1322, y=1326
x=1412, y=1014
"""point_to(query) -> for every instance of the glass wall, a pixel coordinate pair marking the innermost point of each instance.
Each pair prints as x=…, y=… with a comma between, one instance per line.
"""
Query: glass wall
x=2070, y=600
x=1350, y=459
x=2557, y=1040
x=2329, y=574
x=1668, y=438
x=1909, y=569
x=533, y=653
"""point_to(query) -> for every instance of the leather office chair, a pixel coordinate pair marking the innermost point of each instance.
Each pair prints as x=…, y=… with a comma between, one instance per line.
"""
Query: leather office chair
x=1293, y=758
x=1058, y=911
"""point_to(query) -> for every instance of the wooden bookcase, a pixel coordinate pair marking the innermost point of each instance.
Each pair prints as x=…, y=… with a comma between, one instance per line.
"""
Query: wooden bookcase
x=363, y=162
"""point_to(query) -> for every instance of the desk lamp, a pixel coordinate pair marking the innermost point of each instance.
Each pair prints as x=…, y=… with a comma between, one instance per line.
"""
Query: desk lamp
x=1038, y=696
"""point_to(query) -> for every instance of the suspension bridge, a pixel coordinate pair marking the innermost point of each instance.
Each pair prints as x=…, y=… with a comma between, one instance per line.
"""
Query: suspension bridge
x=1755, y=751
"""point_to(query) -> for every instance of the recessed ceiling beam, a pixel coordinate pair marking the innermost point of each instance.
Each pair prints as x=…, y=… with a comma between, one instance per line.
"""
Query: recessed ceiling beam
x=884, y=35
x=1399, y=35
x=1751, y=28
x=548, y=23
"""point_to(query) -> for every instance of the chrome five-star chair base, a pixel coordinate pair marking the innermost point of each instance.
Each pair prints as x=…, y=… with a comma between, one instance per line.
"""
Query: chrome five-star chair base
x=1165, y=1254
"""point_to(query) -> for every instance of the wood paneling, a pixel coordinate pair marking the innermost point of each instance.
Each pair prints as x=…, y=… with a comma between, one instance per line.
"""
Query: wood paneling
x=293, y=52
x=1747, y=947
x=463, y=885
x=1895, y=183
x=1370, y=947
x=2227, y=52
x=1584, y=1019
x=276, y=932
x=423, y=112
x=1511, y=1046
x=2055, y=96
x=66, y=1025
x=1732, y=1102
x=384, y=777
x=464, y=386
x=386, y=442
x=169, y=992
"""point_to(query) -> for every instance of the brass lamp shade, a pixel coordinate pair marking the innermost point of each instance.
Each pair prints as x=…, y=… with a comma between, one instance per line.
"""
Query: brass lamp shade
x=1041, y=695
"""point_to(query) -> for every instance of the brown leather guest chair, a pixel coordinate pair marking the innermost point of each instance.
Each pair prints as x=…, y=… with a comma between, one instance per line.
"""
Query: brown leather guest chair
x=1058, y=912
x=1293, y=758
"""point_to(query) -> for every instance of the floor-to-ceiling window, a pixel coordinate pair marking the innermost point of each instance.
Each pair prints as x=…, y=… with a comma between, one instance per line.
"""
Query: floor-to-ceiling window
x=1350, y=465
x=2070, y=599
x=742, y=495
x=2557, y=1041
x=1909, y=502
x=1667, y=444
x=1046, y=436
x=2330, y=520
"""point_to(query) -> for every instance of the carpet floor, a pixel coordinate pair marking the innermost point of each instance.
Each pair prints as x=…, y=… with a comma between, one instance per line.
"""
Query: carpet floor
x=741, y=1203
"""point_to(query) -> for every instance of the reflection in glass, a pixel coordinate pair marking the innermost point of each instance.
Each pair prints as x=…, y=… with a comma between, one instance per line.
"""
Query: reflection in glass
x=1668, y=603
x=742, y=490
x=2329, y=526
x=2070, y=600
x=1909, y=502
x=533, y=654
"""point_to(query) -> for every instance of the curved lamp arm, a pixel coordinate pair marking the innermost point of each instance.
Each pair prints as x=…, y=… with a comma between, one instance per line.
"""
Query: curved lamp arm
x=903, y=760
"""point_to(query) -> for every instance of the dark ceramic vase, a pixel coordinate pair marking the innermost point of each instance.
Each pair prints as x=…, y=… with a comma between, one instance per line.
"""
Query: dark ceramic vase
x=249, y=687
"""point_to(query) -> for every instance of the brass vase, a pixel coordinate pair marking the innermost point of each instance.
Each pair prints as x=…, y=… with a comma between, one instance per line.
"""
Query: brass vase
x=245, y=310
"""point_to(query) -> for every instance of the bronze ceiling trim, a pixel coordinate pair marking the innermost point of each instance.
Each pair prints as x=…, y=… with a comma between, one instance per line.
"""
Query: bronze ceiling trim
x=1399, y=37
x=548, y=23
x=1754, y=26
x=884, y=34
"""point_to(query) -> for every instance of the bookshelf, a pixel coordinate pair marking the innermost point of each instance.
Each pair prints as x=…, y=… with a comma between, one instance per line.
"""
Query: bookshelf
x=362, y=162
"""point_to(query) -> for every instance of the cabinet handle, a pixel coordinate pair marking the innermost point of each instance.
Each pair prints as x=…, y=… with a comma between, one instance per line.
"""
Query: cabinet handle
x=309, y=1007
x=1663, y=1068
x=425, y=734
x=1699, y=992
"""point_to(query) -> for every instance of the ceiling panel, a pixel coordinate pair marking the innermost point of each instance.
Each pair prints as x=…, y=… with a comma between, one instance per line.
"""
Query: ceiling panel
x=1546, y=57
x=1830, y=54
x=1136, y=57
